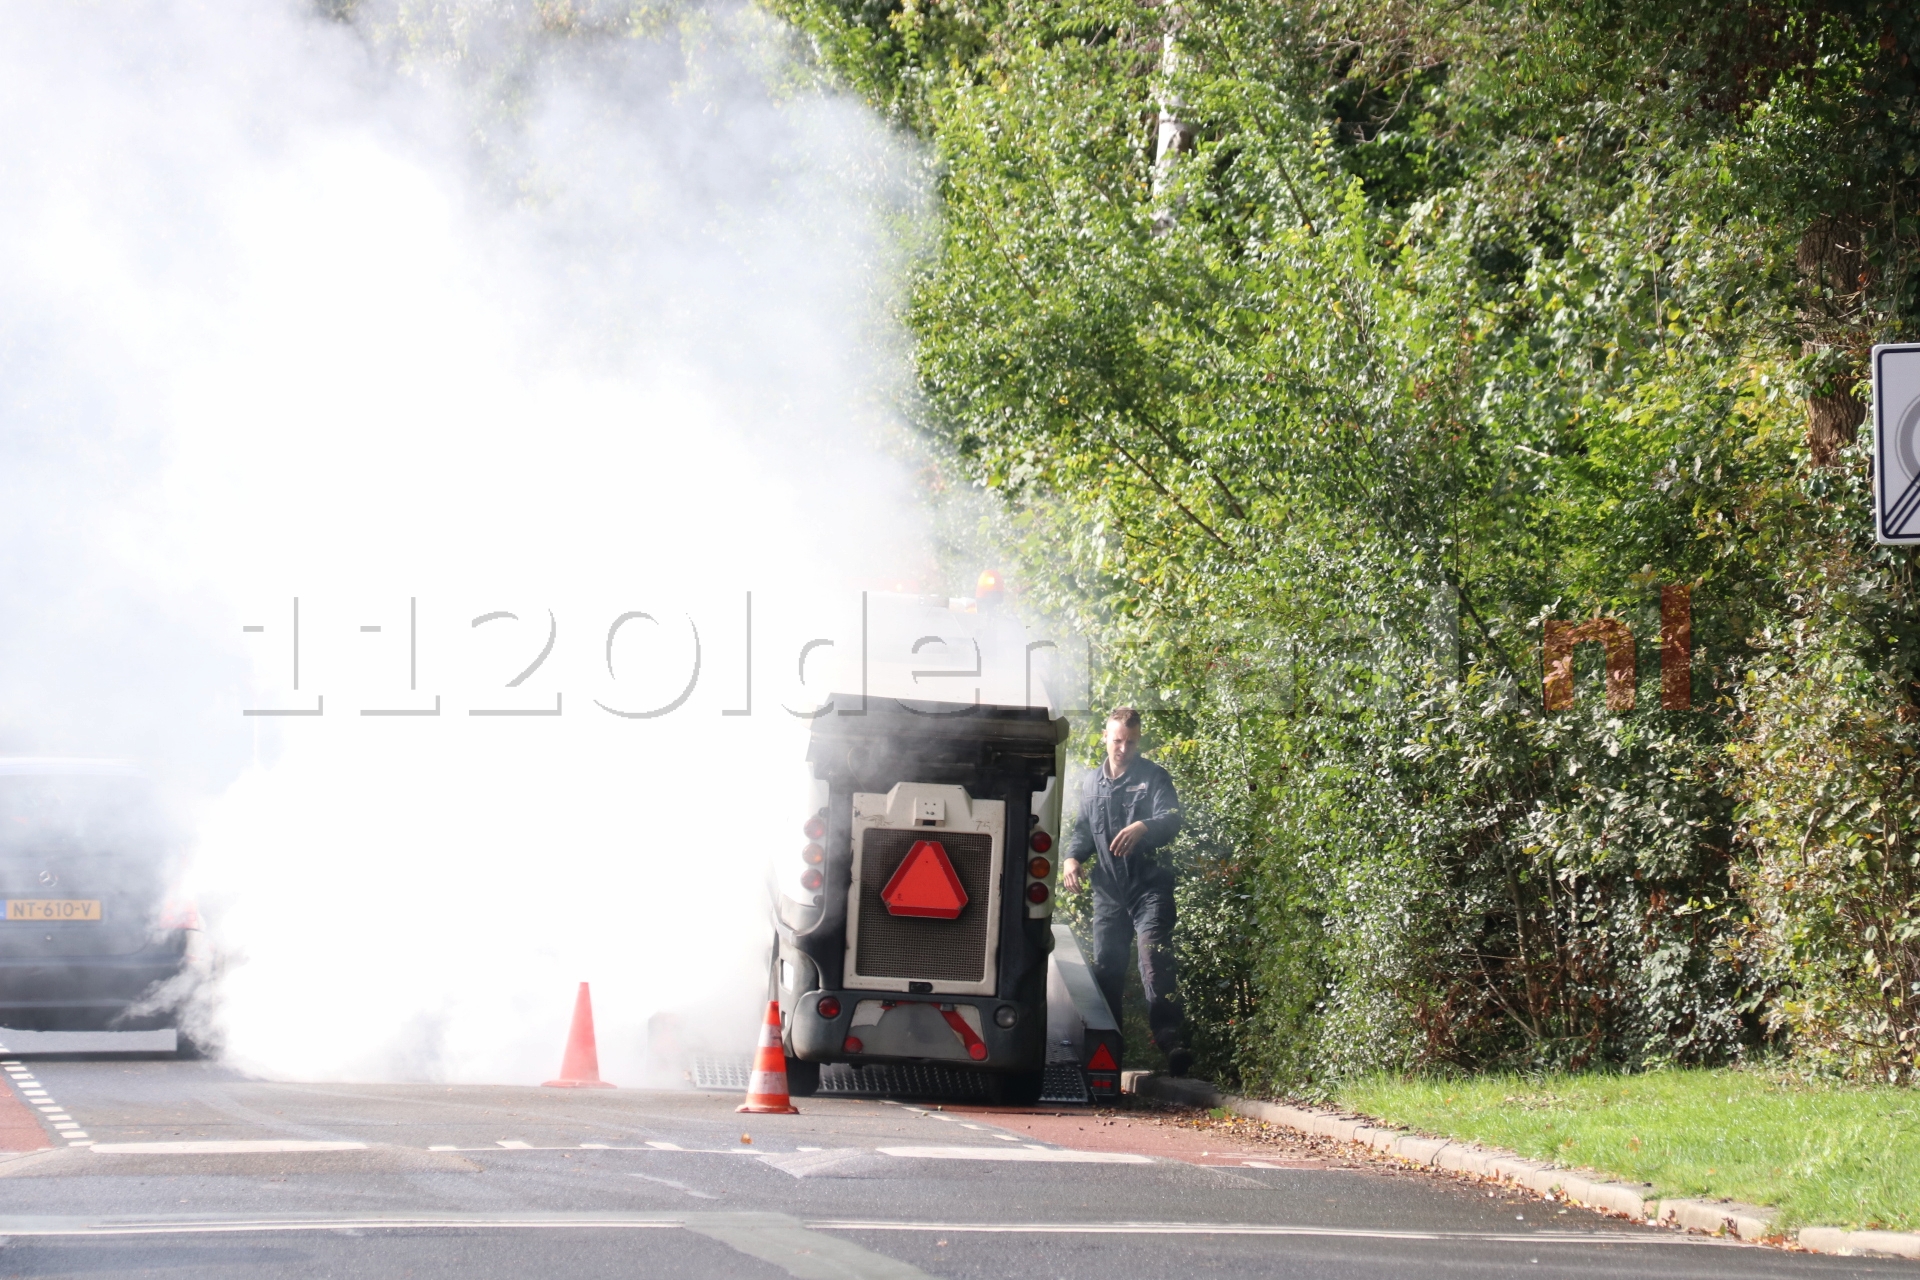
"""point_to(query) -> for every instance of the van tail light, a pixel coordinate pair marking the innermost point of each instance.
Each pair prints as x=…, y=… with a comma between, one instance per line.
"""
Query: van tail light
x=815, y=828
x=811, y=879
x=1037, y=893
x=1039, y=868
x=1041, y=842
x=829, y=1007
x=180, y=913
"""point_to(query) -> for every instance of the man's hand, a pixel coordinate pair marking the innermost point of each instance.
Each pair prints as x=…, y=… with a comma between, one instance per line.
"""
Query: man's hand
x=1070, y=876
x=1122, y=844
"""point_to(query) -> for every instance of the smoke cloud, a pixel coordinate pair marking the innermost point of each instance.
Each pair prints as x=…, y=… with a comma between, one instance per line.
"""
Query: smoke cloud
x=495, y=329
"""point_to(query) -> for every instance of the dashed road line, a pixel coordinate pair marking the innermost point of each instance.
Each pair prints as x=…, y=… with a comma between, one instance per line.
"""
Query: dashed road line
x=514, y=1144
x=223, y=1147
x=51, y=1113
x=1029, y=1154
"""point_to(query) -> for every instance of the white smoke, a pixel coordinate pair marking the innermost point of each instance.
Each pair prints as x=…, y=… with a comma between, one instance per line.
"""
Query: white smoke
x=421, y=319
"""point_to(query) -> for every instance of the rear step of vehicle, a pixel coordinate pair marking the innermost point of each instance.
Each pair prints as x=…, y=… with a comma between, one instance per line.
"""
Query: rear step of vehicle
x=165, y=1040
x=1066, y=1084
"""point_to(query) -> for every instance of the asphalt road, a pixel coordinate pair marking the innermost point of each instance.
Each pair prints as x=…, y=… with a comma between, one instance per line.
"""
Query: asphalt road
x=163, y=1168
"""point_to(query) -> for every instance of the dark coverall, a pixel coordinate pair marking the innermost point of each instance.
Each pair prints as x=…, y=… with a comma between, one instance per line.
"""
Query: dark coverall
x=1132, y=896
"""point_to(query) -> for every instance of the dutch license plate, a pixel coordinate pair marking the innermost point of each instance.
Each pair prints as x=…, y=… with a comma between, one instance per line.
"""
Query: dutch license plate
x=44, y=910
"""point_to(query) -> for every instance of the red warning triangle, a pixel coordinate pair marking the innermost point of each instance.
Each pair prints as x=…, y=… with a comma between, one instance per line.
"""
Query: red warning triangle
x=1103, y=1060
x=925, y=884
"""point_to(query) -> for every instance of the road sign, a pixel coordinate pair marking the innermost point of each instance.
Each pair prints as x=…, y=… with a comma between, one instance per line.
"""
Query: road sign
x=1896, y=443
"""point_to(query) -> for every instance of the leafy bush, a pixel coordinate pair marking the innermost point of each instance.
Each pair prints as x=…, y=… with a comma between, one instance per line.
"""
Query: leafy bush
x=1829, y=771
x=1444, y=322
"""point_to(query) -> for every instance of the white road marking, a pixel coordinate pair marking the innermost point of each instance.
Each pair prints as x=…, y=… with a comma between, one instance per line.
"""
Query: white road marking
x=1275, y=1229
x=499, y=1147
x=43, y=1226
x=815, y=1163
x=1260, y=1164
x=677, y=1186
x=1028, y=1154
x=788, y=1244
x=513, y=1144
x=64, y=1125
x=665, y=1146
x=1006, y=1137
x=222, y=1226
x=222, y=1148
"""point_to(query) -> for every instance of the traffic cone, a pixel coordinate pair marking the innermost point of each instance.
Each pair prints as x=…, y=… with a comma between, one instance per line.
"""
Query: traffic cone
x=767, y=1089
x=581, y=1067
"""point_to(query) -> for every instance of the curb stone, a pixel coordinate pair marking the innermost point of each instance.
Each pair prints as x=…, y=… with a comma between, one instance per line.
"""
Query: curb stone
x=1633, y=1200
x=1897, y=1244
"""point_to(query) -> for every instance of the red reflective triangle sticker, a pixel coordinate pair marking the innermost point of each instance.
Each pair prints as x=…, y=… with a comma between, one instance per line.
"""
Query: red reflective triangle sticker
x=1103, y=1060
x=925, y=884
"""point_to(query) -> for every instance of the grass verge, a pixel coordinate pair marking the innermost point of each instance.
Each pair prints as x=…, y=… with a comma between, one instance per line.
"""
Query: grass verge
x=1826, y=1155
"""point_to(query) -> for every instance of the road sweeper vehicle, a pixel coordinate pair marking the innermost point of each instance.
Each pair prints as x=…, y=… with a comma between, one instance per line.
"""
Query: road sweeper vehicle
x=918, y=925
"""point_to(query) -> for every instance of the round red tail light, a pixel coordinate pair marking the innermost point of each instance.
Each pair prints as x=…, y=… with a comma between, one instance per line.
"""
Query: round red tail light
x=854, y=1045
x=1041, y=842
x=814, y=854
x=811, y=879
x=829, y=1007
x=1039, y=868
x=815, y=828
x=1037, y=892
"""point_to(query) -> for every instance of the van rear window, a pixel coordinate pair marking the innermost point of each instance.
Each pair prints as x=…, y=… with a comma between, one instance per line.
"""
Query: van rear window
x=98, y=815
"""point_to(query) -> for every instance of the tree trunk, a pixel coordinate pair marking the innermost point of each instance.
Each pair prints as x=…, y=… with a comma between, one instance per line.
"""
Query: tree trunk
x=1833, y=269
x=1175, y=134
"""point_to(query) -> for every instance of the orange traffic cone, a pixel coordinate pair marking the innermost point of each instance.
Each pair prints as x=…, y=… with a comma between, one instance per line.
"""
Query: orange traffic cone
x=767, y=1089
x=581, y=1067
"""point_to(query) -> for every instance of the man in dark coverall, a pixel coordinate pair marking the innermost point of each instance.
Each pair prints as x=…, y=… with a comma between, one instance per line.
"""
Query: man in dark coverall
x=1129, y=809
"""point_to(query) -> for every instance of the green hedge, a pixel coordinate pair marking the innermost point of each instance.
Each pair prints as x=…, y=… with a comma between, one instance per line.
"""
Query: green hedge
x=1451, y=320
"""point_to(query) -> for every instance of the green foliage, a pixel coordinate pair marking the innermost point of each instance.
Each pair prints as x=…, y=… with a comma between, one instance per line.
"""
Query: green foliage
x=1830, y=775
x=1451, y=320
